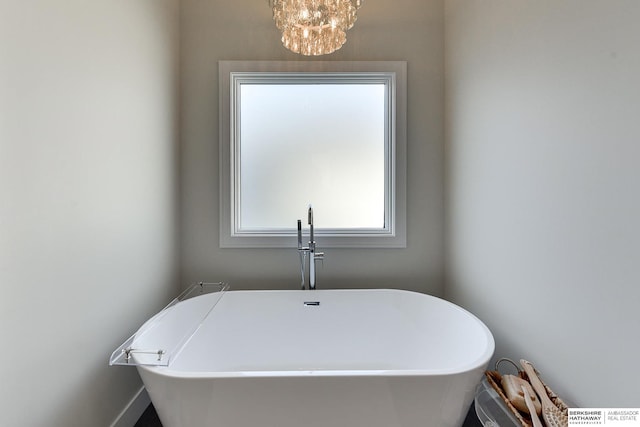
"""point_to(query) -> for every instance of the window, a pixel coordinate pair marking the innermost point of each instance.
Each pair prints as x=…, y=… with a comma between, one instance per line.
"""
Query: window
x=330, y=134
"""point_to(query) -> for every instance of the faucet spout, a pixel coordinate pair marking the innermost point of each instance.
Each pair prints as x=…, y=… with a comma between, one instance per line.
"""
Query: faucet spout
x=312, y=242
x=310, y=249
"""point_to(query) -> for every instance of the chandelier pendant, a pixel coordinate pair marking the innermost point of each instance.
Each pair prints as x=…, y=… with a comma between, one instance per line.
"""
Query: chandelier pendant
x=314, y=27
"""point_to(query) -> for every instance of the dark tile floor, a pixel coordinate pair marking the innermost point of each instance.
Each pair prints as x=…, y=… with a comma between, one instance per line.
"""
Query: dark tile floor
x=150, y=419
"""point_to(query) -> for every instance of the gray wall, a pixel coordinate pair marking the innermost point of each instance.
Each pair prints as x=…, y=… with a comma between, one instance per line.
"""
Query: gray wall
x=543, y=161
x=408, y=30
x=88, y=183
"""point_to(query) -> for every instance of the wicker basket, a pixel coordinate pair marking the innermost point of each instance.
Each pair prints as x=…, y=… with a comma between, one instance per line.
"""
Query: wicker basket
x=495, y=378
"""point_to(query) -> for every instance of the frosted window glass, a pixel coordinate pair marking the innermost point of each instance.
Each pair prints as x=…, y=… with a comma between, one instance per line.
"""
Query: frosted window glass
x=320, y=144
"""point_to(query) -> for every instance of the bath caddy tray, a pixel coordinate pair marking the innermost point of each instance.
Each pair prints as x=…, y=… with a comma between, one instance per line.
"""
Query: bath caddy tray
x=154, y=344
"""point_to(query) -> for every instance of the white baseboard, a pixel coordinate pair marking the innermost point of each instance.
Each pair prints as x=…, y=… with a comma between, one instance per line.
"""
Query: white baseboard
x=134, y=409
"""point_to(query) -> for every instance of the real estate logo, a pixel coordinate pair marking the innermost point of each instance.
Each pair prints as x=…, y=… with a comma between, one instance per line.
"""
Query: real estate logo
x=615, y=417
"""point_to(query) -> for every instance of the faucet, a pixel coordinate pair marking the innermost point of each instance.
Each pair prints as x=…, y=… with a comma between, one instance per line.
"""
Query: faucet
x=310, y=249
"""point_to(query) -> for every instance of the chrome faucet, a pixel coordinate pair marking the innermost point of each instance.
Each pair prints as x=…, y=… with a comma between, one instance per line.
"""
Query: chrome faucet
x=311, y=250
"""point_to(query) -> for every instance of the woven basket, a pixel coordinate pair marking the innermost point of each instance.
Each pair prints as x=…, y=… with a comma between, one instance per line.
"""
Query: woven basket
x=495, y=379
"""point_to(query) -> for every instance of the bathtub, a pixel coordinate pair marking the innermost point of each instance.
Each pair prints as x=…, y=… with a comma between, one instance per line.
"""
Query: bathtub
x=324, y=358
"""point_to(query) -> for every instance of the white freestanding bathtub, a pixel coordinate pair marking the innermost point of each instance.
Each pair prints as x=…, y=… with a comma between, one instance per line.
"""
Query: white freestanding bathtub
x=324, y=358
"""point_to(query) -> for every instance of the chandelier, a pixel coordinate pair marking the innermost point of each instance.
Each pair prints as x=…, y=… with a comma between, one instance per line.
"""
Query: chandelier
x=314, y=27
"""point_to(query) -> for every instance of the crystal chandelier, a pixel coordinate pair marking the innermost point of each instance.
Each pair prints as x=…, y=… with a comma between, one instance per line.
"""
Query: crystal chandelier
x=314, y=27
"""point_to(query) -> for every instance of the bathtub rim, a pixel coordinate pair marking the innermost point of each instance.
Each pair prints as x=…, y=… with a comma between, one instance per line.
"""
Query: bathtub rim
x=478, y=363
